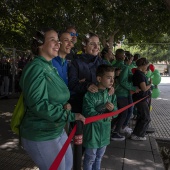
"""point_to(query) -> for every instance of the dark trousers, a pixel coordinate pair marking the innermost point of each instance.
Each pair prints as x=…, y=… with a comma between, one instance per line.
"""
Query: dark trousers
x=119, y=121
x=143, y=119
x=130, y=111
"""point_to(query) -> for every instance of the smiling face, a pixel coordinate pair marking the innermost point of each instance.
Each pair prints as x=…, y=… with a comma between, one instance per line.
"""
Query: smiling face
x=51, y=45
x=93, y=46
x=106, y=81
x=66, y=44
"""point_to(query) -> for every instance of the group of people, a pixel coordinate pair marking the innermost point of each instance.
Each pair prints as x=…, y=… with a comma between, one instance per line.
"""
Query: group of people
x=10, y=72
x=60, y=87
x=5, y=77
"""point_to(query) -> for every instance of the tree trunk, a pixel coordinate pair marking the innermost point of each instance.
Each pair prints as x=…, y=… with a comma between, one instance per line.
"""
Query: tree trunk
x=111, y=40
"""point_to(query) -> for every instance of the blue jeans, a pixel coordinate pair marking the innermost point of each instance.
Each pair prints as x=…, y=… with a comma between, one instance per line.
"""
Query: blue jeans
x=92, y=158
x=43, y=153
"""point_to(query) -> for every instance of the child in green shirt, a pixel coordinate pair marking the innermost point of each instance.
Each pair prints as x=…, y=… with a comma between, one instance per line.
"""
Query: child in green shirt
x=97, y=134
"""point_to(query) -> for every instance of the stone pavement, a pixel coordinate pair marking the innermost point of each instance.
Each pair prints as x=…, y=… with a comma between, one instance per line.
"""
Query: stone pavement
x=124, y=155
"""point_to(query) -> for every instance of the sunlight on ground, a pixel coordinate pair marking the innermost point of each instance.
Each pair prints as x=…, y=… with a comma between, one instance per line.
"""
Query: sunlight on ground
x=13, y=143
x=133, y=162
x=161, y=99
x=6, y=114
x=29, y=168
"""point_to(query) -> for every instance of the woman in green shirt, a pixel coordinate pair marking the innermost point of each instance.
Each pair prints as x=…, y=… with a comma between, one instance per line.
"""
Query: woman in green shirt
x=47, y=111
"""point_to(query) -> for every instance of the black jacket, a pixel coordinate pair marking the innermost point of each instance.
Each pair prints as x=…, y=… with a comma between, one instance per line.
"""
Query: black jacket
x=82, y=68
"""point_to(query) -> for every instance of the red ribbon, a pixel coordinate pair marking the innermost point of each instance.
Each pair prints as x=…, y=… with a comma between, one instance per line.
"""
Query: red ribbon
x=105, y=115
x=60, y=155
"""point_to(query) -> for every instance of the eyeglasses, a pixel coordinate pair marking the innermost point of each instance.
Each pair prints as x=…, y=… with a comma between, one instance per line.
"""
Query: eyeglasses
x=74, y=34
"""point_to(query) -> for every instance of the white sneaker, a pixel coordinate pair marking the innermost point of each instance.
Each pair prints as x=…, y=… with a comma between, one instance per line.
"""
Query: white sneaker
x=126, y=130
x=134, y=137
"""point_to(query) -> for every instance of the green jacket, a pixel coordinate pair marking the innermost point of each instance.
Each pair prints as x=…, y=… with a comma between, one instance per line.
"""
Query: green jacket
x=130, y=66
x=134, y=64
x=123, y=84
x=97, y=134
x=45, y=93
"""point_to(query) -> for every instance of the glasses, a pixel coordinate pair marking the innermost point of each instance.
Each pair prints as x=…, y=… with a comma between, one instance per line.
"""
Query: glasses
x=74, y=34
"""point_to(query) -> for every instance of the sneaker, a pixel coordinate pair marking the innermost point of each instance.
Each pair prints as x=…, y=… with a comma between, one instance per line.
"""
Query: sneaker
x=117, y=137
x=134, y=137
x=126, y=130
x=150, y=130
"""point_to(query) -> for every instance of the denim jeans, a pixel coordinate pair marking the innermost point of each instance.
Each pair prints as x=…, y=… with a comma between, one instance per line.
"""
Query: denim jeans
x=43, y=153
x=92, y=158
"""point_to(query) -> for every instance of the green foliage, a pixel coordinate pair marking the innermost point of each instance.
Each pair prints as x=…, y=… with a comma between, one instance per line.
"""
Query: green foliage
x=141, y=21
x=155, y=51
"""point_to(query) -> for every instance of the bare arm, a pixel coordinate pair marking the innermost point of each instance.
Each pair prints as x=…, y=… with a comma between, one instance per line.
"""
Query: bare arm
x=144, y=87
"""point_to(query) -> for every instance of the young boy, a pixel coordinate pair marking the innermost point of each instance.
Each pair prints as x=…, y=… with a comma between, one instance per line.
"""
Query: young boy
x=97, y=134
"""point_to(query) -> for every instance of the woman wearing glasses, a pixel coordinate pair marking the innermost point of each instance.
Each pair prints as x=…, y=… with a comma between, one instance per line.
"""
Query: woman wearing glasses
x=45, y=98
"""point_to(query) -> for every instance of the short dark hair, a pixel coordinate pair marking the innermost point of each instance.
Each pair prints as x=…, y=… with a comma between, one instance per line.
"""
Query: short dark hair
x=101, y=69
x=70, y=27
x=136, y=57
x=39, y=39
x=104, y=51
x=128, y=55
x=119, y=53
x=142, y=62
x=61, y=33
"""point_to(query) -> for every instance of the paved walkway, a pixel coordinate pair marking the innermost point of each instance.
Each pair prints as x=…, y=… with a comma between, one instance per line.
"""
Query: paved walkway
x=124, y=155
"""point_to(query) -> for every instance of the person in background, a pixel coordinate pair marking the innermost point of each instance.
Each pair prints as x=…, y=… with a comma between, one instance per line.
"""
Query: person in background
x=129, y=59
x=73, y=32
x=122, y=90
x=45, y=98
x=135, y=58
x=128, y=62
x=97, y=134
x=59, y=62
x=5, y=73
x=141, y=81
x=108, y=55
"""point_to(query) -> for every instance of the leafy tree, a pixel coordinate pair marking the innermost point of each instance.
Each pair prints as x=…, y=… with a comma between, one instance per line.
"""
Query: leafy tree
x=153, y=51
x=140, y=21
